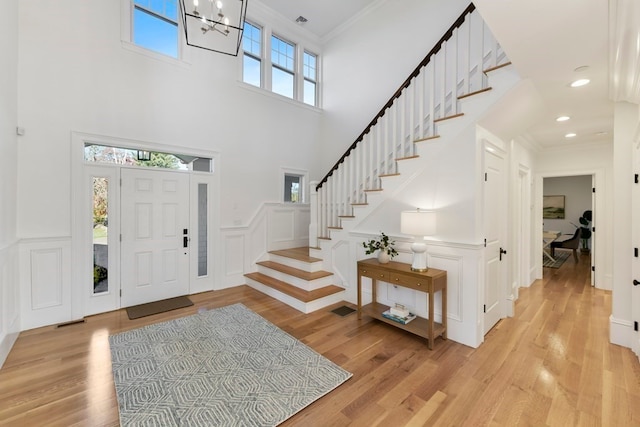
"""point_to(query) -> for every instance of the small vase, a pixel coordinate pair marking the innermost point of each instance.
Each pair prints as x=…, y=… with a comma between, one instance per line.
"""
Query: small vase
x=383, y=257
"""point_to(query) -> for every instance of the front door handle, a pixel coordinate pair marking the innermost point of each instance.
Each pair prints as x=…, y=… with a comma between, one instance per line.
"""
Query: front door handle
x=502, y=251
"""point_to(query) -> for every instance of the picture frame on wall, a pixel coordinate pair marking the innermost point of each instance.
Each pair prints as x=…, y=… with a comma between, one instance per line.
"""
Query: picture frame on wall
x=553, y=207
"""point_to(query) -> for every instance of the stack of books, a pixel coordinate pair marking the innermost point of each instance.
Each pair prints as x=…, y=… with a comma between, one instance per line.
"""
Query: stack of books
x=399, y=314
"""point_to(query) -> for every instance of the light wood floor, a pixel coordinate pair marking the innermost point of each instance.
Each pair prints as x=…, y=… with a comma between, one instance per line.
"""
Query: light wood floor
x=549, y=365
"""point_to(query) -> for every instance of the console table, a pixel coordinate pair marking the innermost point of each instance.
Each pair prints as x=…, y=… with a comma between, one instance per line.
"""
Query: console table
x=400, y=274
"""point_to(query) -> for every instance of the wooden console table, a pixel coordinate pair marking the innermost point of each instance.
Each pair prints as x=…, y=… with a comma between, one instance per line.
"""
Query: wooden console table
x=400, y=274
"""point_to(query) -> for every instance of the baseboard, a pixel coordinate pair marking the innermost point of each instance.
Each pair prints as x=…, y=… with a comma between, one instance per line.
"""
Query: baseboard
x=621, y=332
x=8, y=340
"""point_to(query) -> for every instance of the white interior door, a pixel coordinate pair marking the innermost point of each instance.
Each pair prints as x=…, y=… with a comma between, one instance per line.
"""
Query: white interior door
x=635, y=239
x=495, y=214
x=154, y=232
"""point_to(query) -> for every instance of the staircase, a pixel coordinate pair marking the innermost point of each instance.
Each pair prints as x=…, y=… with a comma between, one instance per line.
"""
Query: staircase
x=297, y=279
x=460, y=78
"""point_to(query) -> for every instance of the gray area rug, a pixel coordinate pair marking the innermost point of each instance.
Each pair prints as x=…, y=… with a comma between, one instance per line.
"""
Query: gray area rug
x=560, y=258
x=223, y=367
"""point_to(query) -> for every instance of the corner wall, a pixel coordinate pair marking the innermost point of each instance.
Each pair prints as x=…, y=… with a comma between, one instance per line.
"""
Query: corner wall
x=9, y=294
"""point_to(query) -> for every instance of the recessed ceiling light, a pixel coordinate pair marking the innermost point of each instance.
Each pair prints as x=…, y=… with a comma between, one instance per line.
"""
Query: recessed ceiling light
x=570, y=135
x=580, y=82
x=562, y=118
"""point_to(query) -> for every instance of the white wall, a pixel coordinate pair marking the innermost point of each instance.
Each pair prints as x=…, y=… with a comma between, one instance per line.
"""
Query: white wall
x=77, y=75
x=577, y=197
x=366, y=63
x=9, y=293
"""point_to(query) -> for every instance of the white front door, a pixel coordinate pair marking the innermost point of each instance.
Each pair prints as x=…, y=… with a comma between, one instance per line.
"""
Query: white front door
x=155, y=235
x=495, y=214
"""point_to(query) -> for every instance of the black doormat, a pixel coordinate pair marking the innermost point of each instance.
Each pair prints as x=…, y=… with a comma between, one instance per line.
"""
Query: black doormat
x=142, y=310
x=343, y=311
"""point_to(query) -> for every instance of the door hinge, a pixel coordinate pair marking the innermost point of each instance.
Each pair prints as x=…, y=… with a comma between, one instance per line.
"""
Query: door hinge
x=593, y=190
x=120, y=182
x=593, y=229
x=121, y=293
x=593, y=268
x=485, y=243
x=121, y=237
x=485, y=177
x=635, y=326
x=484, y=308
x=635, y=252
x=635, y=178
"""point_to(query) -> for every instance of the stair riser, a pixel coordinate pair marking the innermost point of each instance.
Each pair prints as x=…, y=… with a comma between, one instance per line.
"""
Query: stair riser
x=310, y=267
x=292, y=302
x=310, y=285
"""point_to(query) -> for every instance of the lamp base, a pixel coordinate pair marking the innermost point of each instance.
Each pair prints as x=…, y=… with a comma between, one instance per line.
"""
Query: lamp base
x=419, y=257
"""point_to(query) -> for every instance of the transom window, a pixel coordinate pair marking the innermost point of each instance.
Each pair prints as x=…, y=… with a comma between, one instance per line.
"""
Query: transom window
x=153, y=159
x=155, y=25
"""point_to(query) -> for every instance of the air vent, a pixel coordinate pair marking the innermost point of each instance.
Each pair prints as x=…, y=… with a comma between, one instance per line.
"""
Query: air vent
x=301, y=19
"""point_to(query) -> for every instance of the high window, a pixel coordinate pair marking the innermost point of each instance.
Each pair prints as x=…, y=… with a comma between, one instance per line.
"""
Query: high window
x=310, y=74
x=282, y=63
x=252, y=54
x=281, y=66
x=155, y=25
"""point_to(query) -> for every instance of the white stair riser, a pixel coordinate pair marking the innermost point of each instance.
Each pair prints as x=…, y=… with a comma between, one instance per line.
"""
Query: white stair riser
x=297, y=304
x=296, y=281
x=310, y=267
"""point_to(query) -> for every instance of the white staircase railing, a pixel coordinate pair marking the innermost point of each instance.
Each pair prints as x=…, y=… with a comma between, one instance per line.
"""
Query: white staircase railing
x=453, y=68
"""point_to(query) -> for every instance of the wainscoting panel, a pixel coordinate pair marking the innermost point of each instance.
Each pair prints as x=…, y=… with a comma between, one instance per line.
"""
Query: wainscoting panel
x=45, y=277
x=233, y=259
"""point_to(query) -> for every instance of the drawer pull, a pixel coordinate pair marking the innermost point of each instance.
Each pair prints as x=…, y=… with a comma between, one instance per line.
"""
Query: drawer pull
x=397, y=280
x=382, y=275
x=419, y=284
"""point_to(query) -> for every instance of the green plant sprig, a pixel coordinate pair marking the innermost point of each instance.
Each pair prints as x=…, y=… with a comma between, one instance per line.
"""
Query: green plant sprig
x=384, y=243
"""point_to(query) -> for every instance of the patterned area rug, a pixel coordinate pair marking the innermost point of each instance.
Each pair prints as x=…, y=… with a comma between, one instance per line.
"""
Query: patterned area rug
x=561, y=257
x=223, y=367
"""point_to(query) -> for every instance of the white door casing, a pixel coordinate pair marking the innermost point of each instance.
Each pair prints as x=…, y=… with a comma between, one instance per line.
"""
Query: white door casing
x=154, y=233
x=495, y=222
x=635, y=265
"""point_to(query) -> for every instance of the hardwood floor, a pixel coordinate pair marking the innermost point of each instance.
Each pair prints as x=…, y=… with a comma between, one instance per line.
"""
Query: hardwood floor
x=551, y=364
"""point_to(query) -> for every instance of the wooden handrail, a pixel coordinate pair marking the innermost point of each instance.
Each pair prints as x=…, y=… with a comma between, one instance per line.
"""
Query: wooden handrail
x=407, y=82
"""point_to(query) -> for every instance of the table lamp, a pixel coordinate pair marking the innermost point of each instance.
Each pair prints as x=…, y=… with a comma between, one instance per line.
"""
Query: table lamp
x=419, y=224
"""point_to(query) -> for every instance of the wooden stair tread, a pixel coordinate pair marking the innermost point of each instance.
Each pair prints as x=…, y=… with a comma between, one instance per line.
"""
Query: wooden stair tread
x=359, y=204
x=428, y=138
x=300, y=254
x=346, y=216
x=407, y=158
x=497, y=67
x=293, y=291
x=333, y=227
x=388, y=174
x=371, y=190
x=453, y=116
x=295, y=272
x=477, y=92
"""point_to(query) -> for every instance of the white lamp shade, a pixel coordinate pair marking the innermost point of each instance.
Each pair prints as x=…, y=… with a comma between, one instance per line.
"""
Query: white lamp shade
x=418, y=223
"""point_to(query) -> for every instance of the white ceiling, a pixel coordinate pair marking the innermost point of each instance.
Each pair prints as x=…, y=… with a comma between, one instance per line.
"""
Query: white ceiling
x=545, y=39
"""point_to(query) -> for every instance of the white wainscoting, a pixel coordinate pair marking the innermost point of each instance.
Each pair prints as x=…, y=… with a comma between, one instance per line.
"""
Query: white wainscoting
x=275, y=226
x=9, y=299
x=45, y=282
x=462, y=262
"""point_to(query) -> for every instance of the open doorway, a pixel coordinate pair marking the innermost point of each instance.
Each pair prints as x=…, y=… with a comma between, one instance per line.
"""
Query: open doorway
x=567, y=215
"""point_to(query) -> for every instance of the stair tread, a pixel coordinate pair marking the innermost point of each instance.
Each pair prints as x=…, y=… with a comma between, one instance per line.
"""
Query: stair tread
x=428, y=138
x=477, y=92
x=300, y=254
x=453, y=116
x=294, y=291
x=295, y=272
x=497, y=67
x=388, y=174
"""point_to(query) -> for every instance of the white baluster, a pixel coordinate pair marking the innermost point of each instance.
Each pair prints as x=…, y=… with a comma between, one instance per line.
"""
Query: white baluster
x=313, y=214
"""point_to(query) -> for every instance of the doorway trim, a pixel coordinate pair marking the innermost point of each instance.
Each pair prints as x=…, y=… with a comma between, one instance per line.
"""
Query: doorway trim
x=598, y=277
x=79, y=235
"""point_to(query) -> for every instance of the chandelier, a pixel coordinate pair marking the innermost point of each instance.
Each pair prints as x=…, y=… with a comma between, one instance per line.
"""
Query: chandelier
x=214, y=25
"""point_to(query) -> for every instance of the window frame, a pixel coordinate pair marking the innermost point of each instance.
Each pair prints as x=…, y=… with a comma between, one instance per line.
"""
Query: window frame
x=305, y=79
x=252, y=55
x=127, y=34
x=304, y=180
x=301, y=46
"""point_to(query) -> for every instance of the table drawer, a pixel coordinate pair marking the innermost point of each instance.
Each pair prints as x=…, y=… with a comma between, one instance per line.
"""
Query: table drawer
x=417, y=283
x=374, y=273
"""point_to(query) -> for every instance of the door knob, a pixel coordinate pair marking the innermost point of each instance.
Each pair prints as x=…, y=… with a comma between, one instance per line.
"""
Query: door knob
x=635, y=282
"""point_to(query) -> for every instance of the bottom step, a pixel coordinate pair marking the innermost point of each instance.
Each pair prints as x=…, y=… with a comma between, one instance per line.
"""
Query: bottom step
x=300, y=299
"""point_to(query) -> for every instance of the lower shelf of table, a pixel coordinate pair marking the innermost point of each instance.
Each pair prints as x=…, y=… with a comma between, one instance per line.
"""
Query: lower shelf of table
x=418, y=326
